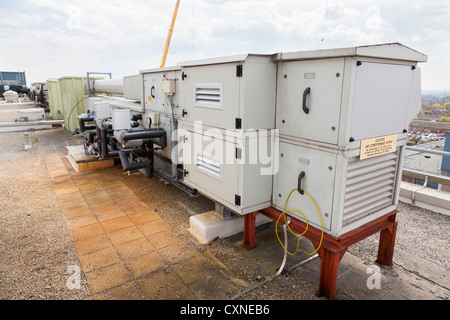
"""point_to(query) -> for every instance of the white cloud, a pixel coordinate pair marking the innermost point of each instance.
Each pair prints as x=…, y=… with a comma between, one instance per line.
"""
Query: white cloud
x=51, y=38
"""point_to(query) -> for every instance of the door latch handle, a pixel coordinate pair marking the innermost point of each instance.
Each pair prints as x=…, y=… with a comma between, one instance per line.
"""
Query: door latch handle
x=300, y=178
x=305, y=95
x=152, y=92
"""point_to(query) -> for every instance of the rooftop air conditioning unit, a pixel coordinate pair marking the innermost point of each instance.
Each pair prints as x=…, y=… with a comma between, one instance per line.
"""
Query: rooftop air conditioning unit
x=343, y=116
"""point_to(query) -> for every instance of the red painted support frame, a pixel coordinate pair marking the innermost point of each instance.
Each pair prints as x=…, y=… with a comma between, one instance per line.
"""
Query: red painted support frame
x=333, y=248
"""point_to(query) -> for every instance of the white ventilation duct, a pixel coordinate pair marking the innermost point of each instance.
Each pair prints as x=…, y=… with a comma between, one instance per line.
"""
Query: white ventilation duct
x=113, y=86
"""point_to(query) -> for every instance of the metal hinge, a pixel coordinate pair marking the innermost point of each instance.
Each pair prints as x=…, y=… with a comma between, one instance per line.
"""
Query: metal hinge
x=238, y=123
x=239, y=70
x=237, y=200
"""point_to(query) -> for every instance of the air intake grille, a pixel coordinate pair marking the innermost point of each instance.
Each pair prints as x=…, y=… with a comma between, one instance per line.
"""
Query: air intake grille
x=209, y=166
x=209, y=96
x=370, y=186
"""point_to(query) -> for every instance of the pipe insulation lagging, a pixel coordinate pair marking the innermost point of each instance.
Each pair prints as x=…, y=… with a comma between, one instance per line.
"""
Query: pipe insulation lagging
x=127, y=136
x=113, y=86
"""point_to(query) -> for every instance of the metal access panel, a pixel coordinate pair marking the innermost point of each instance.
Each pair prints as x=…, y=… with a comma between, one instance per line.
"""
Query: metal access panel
x=349, y=192
x=319, y=182
x=230, y=93
x=310, y=95
x=155, y=100
x=133, y=87
x=219, y=167
x=338, y=96
x=207, y=170
x=381, y=99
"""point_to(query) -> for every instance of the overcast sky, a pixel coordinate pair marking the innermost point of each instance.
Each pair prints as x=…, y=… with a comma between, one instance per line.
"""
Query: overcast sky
x=55, y=38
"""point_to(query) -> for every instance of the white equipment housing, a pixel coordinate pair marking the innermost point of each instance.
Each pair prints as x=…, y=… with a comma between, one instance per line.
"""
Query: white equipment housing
x=34, y=114
x=339, y=116
x=343, y=116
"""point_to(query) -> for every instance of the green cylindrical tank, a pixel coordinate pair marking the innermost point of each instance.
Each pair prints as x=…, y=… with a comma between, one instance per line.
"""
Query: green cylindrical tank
x=73, y=94
x=55, y=99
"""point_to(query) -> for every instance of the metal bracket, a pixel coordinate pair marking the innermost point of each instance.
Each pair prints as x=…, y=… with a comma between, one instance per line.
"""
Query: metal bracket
x=88, y=81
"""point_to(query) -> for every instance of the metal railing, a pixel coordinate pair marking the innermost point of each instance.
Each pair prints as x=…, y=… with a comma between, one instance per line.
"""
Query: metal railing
x=423, y=174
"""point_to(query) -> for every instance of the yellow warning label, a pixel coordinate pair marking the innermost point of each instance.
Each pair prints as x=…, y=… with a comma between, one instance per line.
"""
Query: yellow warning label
x=378, y=146
x=149, y=99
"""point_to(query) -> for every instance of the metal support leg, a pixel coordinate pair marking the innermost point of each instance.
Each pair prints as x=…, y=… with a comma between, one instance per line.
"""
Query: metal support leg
x=386, y=244
x=328, y=273
x=250, y=230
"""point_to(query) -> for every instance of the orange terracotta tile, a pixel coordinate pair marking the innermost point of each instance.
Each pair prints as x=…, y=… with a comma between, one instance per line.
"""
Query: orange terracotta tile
x=164, y=286
x=127, y=291
x=82, y=221
x=162, y=239
x=127, y=201
x=152, y=227
x=178, y=252
x=87, y=232
x=82, y=181
x=134, y=248
x=145, y=264
x=65, y=179
x=92, y=192
x=93, y=244
x=97, y=197
x=88, y=186
x=125, y=235
x=65, y=188
x=143, y=217
x=77, y=211
x=99, y=259
x=109, y=206
x=117, y=224
x=108, y=184
x=75, y=195
x=134, y=207
x=120, y=193
x=108, y=277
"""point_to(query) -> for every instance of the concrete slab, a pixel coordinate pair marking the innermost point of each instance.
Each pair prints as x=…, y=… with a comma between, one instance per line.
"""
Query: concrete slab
x=81, y=162
x=209, y=226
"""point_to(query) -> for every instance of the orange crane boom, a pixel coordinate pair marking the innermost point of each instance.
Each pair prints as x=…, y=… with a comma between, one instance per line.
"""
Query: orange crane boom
x=166, y=50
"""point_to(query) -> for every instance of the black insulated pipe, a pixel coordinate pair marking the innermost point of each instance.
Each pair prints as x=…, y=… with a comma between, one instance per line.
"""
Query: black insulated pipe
x=82, y=121
x=127, y=166
x=145, y=134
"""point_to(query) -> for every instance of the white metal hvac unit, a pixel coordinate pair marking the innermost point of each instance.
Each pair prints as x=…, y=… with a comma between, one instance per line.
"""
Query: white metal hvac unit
x=228, y=114
x=342, y=116
x=337, y=115
x=232, y=93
